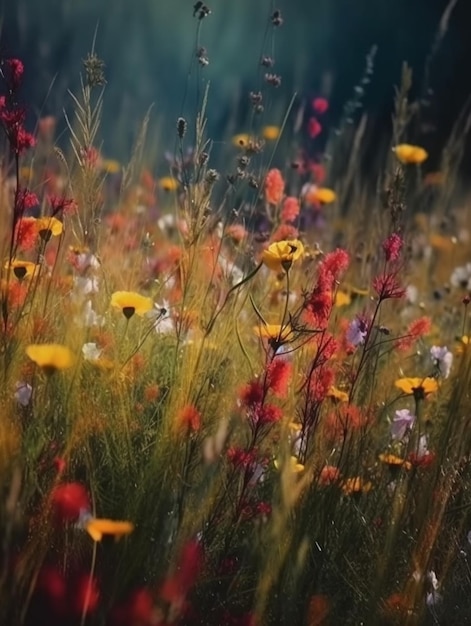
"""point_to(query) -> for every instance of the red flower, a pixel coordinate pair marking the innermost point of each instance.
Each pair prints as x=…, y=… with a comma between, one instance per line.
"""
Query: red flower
x=319, y=303
x=267, y=414
x=84, y=595
x=416, y=329
x=329, y=475
x=137, y=610
x=290, y=210
x=392, y=247
x=314, y=128
x=278, y=376
x=321, y=381
x=335, y=263
x=16, y=72
x=274, y=186
x=387, y=286
x=320, y=105
x=190, y=417
x=285, y=232
x=68, y=500
x=251, y=394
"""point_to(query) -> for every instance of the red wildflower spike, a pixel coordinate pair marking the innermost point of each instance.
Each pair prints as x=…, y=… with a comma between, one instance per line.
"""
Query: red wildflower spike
x=392, y=247
x=278, y=376
x=274, y=186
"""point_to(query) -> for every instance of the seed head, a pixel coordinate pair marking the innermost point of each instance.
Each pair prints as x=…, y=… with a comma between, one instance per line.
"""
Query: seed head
x=181, y=127
x=94, y=70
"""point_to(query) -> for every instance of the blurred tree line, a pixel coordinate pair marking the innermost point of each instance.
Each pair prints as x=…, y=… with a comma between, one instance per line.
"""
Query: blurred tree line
x=149, y=50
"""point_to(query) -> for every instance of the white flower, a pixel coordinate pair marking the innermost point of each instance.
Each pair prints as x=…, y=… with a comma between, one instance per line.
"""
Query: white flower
x=163, y=323
x=84, y=285
x=23, y=393
x=443, y=359
x=90, y=351
x=412, y=294
x=461, y=276
x=89, y=317
x=230, y=270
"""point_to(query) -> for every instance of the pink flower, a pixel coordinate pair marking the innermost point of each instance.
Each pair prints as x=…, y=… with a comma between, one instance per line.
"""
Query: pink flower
x=392, y=247
x=314, y=128
x=387, y=286
x=290, y=210
x=69, y=500
x=320, y=105
x=274, y=186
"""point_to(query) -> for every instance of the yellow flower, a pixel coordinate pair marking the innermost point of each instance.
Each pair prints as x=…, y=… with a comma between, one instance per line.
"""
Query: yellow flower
x=111, y=166
x=22, y=269
x=406, y=153
x=351, y=486
x=274, y=332
x=418, y=387
x=241, y=140
x=280, y=255
x=50, y=356
x=342, y=298
x=293, y=465
x=168, y=183
x=324, y=195
x=97, y=528
x=131, y=302
x=337, y=394
x=442, y=243
x=270, y=133
x=48, y=227
x=463, y=342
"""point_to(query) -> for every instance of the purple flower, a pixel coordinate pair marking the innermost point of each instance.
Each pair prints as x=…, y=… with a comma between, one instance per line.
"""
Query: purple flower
x=357, y=331
x=402, y=422
x=443, y=359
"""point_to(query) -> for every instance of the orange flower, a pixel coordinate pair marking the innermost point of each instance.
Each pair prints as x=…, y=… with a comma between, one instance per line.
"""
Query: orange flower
x=407, y=153
x=352, y=486
x=98, y=528
x=274, y=186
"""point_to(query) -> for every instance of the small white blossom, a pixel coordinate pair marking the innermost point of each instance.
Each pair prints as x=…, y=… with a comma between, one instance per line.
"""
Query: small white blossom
x=461, y=276
x=90, y=351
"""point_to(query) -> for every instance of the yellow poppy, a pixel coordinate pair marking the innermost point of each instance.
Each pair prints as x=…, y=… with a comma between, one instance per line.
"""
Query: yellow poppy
x=342, y=298
x=22, y=269
x=50, y=356
x=168, y=183
x=337, y=394
x=130, y=302
x=48, y=227
x=417, y=386
x=274, y=332
x=270, y=133
x=356, y=485
x=407, y=153
x=324, y=195
x=241, y=140
x=97, y=528
x=280, y=255
x=293, y=465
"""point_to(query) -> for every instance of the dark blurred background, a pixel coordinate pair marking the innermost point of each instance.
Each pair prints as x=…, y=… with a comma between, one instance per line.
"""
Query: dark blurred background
x=148, y=47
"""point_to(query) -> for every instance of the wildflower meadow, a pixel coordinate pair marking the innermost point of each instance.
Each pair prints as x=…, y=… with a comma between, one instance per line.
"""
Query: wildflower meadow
x=235, y=386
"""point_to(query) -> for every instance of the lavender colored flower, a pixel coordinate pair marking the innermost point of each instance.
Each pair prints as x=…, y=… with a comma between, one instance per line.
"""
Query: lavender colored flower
x=443, y=359
x=402, y=422
x=357, y=331
x=23, y=393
